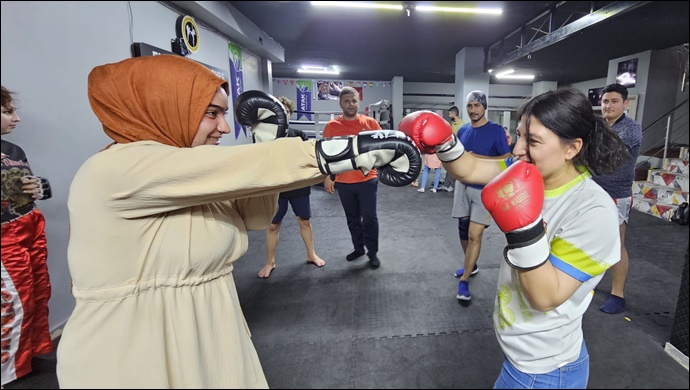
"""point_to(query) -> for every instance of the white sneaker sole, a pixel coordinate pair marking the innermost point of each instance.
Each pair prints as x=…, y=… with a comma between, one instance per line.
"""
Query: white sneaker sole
x=462, y=297
x=471, y=274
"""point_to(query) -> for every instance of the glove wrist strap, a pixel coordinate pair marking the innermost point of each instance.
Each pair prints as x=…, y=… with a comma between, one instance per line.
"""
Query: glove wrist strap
x=527, y=248
x=451, y=150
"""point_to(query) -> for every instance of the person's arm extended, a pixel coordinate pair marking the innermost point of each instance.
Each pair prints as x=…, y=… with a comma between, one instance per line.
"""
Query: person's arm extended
x=501, y=157
x=432, y=134
x=472, y=169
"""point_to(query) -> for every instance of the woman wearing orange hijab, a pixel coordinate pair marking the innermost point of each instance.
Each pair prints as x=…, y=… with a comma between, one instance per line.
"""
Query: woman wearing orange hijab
x=158, y=218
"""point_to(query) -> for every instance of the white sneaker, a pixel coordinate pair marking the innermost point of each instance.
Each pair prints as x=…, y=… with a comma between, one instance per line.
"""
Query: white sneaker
x=449, y=188
x=433, y=190
x=420, y=190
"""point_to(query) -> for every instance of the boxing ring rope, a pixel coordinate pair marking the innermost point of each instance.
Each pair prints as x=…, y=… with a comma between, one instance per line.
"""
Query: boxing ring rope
x=314, y=128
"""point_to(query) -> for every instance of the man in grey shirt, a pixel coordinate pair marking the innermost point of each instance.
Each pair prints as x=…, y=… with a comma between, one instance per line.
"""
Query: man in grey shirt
x=618, y=185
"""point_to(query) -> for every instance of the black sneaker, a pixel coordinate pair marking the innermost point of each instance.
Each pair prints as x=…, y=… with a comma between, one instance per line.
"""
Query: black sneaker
x=374, y=262
x=354, y=255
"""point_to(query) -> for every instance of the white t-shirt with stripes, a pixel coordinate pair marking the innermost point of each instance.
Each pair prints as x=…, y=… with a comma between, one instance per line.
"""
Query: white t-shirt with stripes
x=582, y=228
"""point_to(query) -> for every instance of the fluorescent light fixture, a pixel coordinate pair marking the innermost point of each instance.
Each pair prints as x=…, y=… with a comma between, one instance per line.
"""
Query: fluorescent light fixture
x=431, y=8
x=509, y=75
x=333, y=69
x=356, y=4
x=504, y=73
x=516, y=77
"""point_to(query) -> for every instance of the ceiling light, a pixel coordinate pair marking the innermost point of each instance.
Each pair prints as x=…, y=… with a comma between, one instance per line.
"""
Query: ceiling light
x=333, y=69
x=516, y=77
x=356, y=4
x=508, y=74
x=431, y=8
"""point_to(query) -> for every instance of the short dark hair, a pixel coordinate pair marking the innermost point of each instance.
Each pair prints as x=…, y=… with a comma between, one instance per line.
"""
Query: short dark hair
x=348, y=91
x=619, y=88
x=455, y=110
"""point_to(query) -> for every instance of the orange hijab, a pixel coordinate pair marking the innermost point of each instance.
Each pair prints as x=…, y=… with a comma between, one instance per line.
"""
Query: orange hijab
x=158, y=98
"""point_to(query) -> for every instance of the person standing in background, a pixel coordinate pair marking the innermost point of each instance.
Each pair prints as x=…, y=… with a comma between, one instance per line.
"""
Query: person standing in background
x=26, y=286
x=486, y=140
x=618, y=184
x=509, y=138
x=299, y=200
x=358, y=192
x=431, y=162
x=455, y=123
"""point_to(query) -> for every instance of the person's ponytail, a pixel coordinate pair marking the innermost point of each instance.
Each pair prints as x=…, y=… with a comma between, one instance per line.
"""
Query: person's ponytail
x=604, y=151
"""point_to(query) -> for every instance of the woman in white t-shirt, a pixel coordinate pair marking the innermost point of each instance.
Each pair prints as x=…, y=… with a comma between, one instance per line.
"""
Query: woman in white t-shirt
x=561, y=229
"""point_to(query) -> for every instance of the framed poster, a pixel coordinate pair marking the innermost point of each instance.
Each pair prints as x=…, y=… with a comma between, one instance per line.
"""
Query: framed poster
x=594, y=96
x=627, y=73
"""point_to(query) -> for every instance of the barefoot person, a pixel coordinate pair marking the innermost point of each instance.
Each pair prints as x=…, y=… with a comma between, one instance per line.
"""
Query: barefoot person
x=299, y=200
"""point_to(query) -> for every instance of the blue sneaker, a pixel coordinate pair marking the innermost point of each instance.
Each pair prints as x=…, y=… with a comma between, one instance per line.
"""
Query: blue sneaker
x=464, y=291
x=461, y=271
x=613, y=305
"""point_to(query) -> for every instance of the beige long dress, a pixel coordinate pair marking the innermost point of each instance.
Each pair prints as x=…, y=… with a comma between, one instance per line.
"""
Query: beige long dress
x=154, y=231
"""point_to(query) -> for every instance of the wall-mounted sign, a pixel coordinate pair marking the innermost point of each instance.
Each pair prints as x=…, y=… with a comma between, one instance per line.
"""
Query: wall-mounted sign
x=140, y=49
x=188, y=32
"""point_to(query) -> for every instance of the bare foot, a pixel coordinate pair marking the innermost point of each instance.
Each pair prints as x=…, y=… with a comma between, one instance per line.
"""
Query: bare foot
x=317, y=261
x=266, y=271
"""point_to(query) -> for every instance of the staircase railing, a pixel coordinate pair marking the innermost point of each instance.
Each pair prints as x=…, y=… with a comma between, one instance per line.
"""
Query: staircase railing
x=676, y=133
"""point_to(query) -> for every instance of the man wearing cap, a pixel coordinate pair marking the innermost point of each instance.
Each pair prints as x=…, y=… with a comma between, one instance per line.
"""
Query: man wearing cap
x=484, y=139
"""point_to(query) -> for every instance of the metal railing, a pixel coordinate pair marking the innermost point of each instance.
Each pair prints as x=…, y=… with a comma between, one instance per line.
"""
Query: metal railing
x=667, y=132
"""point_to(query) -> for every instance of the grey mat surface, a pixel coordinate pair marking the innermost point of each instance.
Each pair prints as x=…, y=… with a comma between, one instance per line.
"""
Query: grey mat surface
x=400, y=326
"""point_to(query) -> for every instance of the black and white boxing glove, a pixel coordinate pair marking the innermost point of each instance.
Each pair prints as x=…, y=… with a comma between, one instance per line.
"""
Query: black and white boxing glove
x=263, y=113
x=390, y=151
x=297, y=133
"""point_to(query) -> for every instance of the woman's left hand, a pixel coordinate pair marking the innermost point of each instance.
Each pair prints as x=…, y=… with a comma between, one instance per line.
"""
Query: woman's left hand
x=38, y=187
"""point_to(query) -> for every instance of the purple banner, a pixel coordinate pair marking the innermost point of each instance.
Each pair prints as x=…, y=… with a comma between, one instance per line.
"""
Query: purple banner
x=236, y=81
x=303, y=98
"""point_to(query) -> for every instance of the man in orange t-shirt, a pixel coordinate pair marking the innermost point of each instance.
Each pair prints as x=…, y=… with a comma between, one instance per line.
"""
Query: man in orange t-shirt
x=357, y=192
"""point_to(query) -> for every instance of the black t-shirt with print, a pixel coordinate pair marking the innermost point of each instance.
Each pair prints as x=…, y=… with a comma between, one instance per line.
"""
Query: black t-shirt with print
x=14, y=166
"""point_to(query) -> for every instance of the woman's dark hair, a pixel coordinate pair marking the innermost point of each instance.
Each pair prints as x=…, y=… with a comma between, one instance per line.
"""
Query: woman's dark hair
x=568, y=113
x=6, y=97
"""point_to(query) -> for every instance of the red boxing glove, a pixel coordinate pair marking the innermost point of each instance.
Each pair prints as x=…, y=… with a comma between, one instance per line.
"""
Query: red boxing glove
x=427, y=129
x=515, y=199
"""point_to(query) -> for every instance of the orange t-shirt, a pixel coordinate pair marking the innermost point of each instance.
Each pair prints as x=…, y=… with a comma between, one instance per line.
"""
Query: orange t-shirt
x=339, y=127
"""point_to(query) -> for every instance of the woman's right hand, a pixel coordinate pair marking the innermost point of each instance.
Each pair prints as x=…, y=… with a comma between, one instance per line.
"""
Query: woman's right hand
x=329, y=185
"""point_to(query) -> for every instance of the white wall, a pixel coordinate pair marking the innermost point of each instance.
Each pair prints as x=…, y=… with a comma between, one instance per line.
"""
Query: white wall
x=428, y=96
x=640, y=88
x=585, y=86
x=47, y=52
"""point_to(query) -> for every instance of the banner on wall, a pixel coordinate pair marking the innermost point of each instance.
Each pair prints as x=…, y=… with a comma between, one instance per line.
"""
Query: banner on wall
x=236, y=81
x=304, y=98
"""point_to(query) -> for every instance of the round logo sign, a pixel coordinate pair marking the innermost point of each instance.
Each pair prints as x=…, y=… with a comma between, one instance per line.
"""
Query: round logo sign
x=187, y=30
